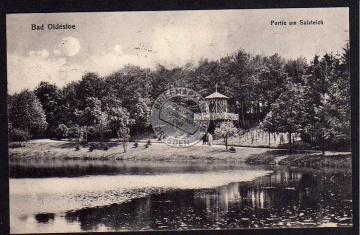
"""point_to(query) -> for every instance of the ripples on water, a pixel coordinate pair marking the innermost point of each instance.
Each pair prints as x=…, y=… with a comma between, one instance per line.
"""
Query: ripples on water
x=44, y=168
x=290, y=197
x=306, y=200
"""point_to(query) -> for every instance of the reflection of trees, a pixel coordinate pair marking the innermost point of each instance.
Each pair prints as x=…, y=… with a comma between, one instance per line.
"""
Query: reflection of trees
x=279, y=179
x=44, y=218
x=286, y=198
x=116, y=217
x=260, y=194
x=293, y=197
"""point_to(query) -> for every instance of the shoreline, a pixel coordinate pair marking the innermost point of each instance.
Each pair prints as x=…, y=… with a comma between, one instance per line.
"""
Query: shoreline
x=66, y=150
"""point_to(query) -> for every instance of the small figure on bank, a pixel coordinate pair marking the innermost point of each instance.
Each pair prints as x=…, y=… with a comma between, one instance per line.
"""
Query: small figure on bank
x=205, y=139
x=210, y=139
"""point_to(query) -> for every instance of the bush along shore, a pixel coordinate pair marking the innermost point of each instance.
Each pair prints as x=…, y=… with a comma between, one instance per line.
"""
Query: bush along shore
x=301, y=158
x=152, y=151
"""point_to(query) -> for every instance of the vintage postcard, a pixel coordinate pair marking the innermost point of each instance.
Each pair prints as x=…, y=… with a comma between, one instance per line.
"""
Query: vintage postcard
x=179, y=120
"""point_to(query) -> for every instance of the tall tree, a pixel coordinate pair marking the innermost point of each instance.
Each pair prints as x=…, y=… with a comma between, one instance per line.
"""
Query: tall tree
x=141, y=113
x=49, y=97
x=291, y=111
x=334, y=110
x=69, y=103
x=273, y=79
x=296, y=70
x=103, y=125
x=26, y=113
x=90, y=116
x=241, y=85
x=90, y=86
x=118, y=116
x=128, y=81
x=206, y=76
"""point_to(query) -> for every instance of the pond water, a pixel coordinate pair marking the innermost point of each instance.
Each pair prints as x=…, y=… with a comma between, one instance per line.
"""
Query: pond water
x=74, y=196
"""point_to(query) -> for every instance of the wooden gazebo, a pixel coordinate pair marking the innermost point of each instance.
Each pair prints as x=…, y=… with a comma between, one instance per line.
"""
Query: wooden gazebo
x=217, y=108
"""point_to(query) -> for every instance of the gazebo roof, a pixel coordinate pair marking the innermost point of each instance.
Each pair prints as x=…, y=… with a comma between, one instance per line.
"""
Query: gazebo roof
x=216, y=95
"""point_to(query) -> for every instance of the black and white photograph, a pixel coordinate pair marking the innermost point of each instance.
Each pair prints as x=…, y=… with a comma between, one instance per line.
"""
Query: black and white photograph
x=179, y=120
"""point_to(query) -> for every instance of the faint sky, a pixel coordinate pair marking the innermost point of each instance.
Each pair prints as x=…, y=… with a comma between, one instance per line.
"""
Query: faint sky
x=105, y=42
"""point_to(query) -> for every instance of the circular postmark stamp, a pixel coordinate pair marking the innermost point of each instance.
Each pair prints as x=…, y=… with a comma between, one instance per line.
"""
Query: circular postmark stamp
x=177, y=117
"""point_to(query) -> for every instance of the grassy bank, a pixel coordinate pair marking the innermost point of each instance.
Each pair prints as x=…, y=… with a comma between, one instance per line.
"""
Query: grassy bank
x=115, y=151
x=301, y=158
x=161, y=152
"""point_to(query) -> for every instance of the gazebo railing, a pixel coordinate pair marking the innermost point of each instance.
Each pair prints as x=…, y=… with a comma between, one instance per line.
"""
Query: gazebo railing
x=216, y=116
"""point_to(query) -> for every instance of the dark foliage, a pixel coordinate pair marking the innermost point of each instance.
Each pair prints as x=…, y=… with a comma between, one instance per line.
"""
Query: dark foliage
x=293, y=96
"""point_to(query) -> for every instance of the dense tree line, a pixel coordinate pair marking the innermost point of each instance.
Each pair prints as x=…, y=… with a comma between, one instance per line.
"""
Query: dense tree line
x=317, y=106
x=278, y=95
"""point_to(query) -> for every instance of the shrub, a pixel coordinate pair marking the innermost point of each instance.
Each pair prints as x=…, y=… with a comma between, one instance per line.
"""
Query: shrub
x=91, y=147
x=226, y=130
x=104, y=146
x=302, y=146
x=61, y=131
x=18, y=135
x=74, y=132
x=93, y=134
x=232, y=150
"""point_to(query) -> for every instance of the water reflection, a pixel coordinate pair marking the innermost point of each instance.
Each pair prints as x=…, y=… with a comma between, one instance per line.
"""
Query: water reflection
x=287, y=198
x=45, y=168
x=44, y=218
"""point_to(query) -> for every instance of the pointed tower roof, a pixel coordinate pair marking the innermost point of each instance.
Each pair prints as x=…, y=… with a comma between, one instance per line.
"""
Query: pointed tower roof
x=216, y=95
